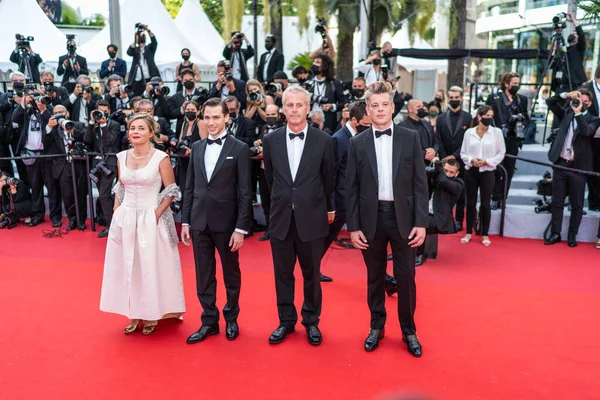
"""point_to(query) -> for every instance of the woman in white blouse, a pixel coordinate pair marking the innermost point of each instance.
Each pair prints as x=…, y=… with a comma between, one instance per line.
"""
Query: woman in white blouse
x=482, y=150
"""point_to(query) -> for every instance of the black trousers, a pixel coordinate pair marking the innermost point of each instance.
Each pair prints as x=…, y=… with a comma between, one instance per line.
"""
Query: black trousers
x=594, y=182
x=431, y=238
x=461, y=202
x=138, y=88
x=40, y=175
x=69, y=197
x=285, y=253
x=573, y=184
x=105, y=185
x=255, y=171
x=334, y=229
x=265, y=195
x=484, y=183
x=205, y=242
x=5, y=165
x=404, y=271
x=512, y=147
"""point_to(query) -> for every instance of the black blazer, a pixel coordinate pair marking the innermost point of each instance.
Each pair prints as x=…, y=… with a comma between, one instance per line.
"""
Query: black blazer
x=445, y=195
x=22, y=119
x=451, y=137
x=341, y=143
x=411, y=195
x=240, y=92
x=308, y=197
x=175, y=103
x=54, y=144
x=149, y=52
x=34, y=64
x=582, y=140
x=335, y=95
x=110, y=140
x=246, y=54
x=223, y=203
x=69, y=72
x=75, y=107
x=425, y=131
x=576, y=55
x=245, y=130
x=275, y=64
x=595, y=109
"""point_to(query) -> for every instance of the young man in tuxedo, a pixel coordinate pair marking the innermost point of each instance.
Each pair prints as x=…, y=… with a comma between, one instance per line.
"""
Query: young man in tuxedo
x=387, y=203
x=215, y=214
x=300, y=172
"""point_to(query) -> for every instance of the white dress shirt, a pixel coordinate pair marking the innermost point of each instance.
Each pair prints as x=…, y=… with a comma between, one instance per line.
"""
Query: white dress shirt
x=144, y=64
x=351, y=129
x=83, y=115
x=490, y=148
x=371, y=75
x=294, y=149
x=212, y=154
x=567, y=152
x=34, y=135
x=384, y=150
x=267, y=62
x=236, y=66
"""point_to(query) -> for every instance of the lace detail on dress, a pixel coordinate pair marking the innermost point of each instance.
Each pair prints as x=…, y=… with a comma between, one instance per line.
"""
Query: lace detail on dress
x=167, y=217
x=119, y=191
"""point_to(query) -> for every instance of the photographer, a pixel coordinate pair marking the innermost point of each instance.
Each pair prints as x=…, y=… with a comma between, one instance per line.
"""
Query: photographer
x=83, y=100
x=28, y=61
x=510, y=115
x=157, y=92
x=576, y=54
x=256, y=102
x=270, y=62
x=114, y=65
x=277, y=87
x=143, y=66
x=179, y=100
x=71, y=65
x=58, y=94
x=448, y=188
x=326, y=46
x=482, y=150
x=571, y=147
x=186, y=65
x=372, y=68
x=103, y=135
x=165, y=134
x=326, y=91
x=9, y=131
x=242, y=128
x=226, y=85
x=15, y=200
x=117, y=95
x=237, y=56
x=66, y=137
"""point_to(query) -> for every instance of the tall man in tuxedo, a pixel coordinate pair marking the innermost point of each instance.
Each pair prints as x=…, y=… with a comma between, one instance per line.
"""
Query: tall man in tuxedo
x=270, y=62
x=216, y=210
x=300, y=172
x=386, y=202
x=450, y=129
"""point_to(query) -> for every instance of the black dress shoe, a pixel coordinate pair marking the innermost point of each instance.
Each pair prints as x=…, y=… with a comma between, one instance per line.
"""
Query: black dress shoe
x=264, y=237
x=391, y=286
x=554, y=238
x=412, y=342
x=314, y=335
x=572, y=240
x=232, y=330
x=56, y=224
x=34, y=222
x=82, y=226
x=458, y=226
x=103, y=233
x=420, y=260
x=496, y=205
x=372, y=342
x=202, y=333
x=326, y=278
x=279, y=334
x=72, y=226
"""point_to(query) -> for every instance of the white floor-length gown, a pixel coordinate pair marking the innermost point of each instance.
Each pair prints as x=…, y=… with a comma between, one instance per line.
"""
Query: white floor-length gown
x=142, y=271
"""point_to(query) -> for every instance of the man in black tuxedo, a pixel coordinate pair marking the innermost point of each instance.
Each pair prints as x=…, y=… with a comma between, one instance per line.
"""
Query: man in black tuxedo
x=386, y=203
x=158, y=93
x=216, y=210
x=82, y=101
x=226, y=85
x=270, y=62
x=450, y=129
x=25, y=59
x=575, y=54
x=416, y=122
x=572, y=147
x=71, y=65
x=143, y=66
x=300, y=172
x=58, y=140
x=237, y=56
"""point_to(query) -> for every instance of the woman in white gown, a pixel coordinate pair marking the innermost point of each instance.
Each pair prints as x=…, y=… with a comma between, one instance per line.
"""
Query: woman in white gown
x=142, y=271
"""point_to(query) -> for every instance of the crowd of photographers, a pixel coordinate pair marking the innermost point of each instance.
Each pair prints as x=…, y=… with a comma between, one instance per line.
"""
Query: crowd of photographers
x=39, y=117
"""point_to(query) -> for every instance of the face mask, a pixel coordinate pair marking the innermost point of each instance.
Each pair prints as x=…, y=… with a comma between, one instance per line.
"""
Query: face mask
x=315, y=69
x=513, y=89
x=112, y=54
x=358, y=93
x=421, y=113
x=185, y=58
x=190, y=115
x=271, y=121
x=584, y=107
x=487, y=121
x=233, y=115
x=438, y=99
x=188, y=84
x=433, y=114
x=377, y=61
x=361, y=128
x=302, y=80
x=268, y=46
x=454, y=103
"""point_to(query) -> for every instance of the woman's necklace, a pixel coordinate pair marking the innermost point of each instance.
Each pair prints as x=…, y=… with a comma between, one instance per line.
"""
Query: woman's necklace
x=139, y=157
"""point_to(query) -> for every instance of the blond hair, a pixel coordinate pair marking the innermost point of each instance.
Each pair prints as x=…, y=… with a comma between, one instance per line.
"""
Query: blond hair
x=149, y=120
x=378, y=88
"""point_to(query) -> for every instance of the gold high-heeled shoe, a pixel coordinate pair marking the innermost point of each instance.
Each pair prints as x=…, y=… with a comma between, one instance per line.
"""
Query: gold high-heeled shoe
x=148, y=329
x=132, y=327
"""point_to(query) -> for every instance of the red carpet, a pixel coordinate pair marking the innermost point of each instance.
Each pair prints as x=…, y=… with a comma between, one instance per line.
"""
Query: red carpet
x=514, y=321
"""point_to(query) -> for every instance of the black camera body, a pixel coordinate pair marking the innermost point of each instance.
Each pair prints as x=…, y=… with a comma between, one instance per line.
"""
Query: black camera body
x=201, y=97
x=434, y=168
x=273, y=88
x=49, y=87
x=255, y=151
x=138, y=27
x=23, y=41
x=559, y=22
x=575, y=103
x=98, y=115
x=321, y=27
x=99, y=170
x=182, y=145
x=86, y=88
x=237, y=38
x=77, y=148
x=63, y=122
x=255, y=96
x=11, y=181
x=164, y=90
x=320, y=99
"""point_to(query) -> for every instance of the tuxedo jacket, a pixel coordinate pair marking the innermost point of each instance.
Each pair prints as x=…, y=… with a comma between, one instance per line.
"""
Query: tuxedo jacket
x=69, y=72
x=425, y=132
x=149, y=52
x=75, y=107
x=107, y=138
x=240, y=92
x=34, y=64
x=22, y=118
x=451, y=137
x=341, y=143
x=54, y=144
x=119, y=69
x=245, y=54
x=221, y=203
x=595, y=109
x=245, y=130
x=308, y=197
x=275, y=64
x=411, y=196
x=445, y=195
x=175, y=103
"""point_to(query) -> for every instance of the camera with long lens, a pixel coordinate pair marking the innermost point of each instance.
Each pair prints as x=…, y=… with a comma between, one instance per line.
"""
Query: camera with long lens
x=86, y=88
x=23, y=42
x=273, y=88
x=45, y=100
x=347, y=90
x=181, y=146
x=384, y=71
x=11, y=181
x=559, y=22
x=99, y=170
x=255, y=96
x=19, y=88
x=98, y=115
x=516, y=124
x=575, y=103
x=63, y=122
x=201, y=97
x=164, y=90
x=126, y=88
x=49, y=87
x=321, y=27
x=434, y=168
x=77, y=148
x=138, y=27
x=71, y=46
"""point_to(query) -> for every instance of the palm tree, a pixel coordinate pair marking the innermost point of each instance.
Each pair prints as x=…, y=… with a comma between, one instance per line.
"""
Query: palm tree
x=591, y=9
x=233, y=11
x=458, y=22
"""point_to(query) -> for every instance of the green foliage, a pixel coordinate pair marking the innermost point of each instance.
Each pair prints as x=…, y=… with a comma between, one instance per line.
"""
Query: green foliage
x=173, y=6
x=300, y=59
x=214, y=12
x=95, y=20
x=69, y=17
x=591, y=8
x=430, y=34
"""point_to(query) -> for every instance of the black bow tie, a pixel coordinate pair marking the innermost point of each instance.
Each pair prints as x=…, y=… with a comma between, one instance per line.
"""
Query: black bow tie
x=386, y=132
x=296, y=135
x=217, y=141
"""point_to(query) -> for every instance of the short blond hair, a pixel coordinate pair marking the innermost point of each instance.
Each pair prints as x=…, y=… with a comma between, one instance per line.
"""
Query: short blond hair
x=456, y=89
x=296, y=90
x=378, y=88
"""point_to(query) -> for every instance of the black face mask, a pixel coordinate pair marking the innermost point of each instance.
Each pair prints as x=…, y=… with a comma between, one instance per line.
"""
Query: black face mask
x=487, y=121
x=454, y=103
x=269, y=46
x=376, y=61
x=361, y=128
x=584, y=107
x=271, y=121
x=421, y=113
x=302, y=80
x=438, y=99
x=358, y=93
x=433, y=114
x=190, y=115
x=513, y=90
x=233, y=116
x=188, y=85
x=185, y=58
x=315, y=69
x=112, y=54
